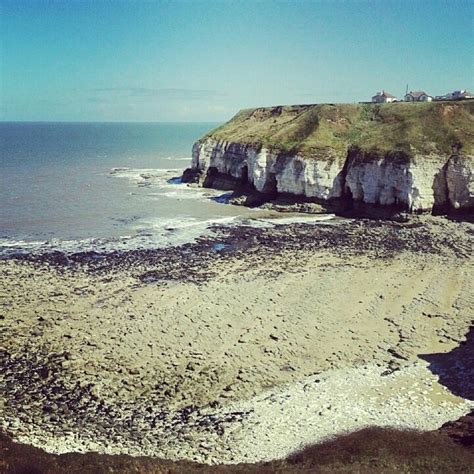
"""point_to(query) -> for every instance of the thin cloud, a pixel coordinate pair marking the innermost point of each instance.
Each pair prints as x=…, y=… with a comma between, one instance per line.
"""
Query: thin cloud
x=216, y=108
x=164, y=93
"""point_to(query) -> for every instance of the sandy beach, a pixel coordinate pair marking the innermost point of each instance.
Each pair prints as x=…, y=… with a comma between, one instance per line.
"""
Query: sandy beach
x=243, y=346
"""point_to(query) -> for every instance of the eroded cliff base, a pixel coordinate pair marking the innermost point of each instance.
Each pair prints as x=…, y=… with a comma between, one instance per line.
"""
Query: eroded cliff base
x=240, y=193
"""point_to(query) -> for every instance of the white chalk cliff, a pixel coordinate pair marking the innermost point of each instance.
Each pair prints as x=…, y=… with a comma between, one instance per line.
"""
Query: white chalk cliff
x=421, y=183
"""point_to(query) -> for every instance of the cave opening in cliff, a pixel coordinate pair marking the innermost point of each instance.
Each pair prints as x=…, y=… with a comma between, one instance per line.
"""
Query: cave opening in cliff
x=244, y=174
x=270, y=187
x=348, y=197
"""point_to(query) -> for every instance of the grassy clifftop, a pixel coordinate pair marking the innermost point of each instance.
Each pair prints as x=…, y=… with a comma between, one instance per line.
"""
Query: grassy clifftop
x=328, y=130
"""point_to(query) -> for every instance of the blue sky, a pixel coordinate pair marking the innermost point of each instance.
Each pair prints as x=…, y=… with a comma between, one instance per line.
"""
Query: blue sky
x=203, y=61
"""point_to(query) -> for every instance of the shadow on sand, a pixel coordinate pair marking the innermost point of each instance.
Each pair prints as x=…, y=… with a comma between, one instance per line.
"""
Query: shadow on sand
x=455, y=369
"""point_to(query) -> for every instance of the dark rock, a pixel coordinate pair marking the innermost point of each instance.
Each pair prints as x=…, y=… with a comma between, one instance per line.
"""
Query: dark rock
x=191, y=175
x=216, y=180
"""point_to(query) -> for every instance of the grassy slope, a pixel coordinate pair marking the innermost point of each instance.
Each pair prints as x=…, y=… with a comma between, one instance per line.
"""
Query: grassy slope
x=327, y=130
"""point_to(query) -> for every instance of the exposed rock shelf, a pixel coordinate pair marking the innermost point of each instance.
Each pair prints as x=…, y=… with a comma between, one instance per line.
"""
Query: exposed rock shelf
x=281, y=337
x=415, y=157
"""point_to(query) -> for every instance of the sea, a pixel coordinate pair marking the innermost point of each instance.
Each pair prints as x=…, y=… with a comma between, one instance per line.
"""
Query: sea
x=102, y=187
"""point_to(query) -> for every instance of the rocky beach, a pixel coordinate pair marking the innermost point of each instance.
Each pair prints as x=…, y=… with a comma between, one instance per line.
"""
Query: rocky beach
x=244, y=346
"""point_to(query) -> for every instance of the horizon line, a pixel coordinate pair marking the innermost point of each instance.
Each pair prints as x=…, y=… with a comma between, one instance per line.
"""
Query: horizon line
x=109, y=121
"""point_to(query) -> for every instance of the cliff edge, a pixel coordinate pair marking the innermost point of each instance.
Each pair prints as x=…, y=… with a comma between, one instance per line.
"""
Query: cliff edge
x=413, y=157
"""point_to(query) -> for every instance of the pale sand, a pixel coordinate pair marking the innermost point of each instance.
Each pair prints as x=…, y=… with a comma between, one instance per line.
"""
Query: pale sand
x=252, y=338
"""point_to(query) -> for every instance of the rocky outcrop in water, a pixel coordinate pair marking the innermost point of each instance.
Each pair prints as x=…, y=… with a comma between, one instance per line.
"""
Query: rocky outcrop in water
x=409, y=174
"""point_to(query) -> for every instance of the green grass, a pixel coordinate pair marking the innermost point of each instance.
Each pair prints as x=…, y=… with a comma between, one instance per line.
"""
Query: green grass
x=327, y=131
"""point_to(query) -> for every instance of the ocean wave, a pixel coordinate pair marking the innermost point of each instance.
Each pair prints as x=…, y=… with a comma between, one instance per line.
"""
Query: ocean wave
x=164, y=182
x=148, y=234
x=7, y=243
x=180, y=158
x=159, y=232
x=145, y=174
x=303, y=219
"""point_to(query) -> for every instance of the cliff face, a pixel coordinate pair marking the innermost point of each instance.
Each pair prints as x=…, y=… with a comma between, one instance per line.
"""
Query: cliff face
x=418, y=157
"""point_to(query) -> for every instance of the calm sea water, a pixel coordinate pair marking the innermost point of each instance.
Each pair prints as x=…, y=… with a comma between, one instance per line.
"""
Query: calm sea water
x=101, y=186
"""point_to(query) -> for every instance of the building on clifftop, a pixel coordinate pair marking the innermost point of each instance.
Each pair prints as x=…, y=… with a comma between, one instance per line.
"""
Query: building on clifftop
x=459, y=95
x=383, y=97
x=418, y=96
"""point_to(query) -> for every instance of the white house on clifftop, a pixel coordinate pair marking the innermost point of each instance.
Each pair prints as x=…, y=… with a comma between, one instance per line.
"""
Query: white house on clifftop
x=383, y=97
x=462, y=94
x=418, y=96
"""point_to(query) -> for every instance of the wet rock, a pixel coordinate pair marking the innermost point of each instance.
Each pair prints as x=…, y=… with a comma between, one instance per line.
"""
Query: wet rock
x=191, y=175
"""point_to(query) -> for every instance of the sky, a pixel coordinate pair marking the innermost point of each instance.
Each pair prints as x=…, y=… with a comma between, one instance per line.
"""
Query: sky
x=205, y=60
